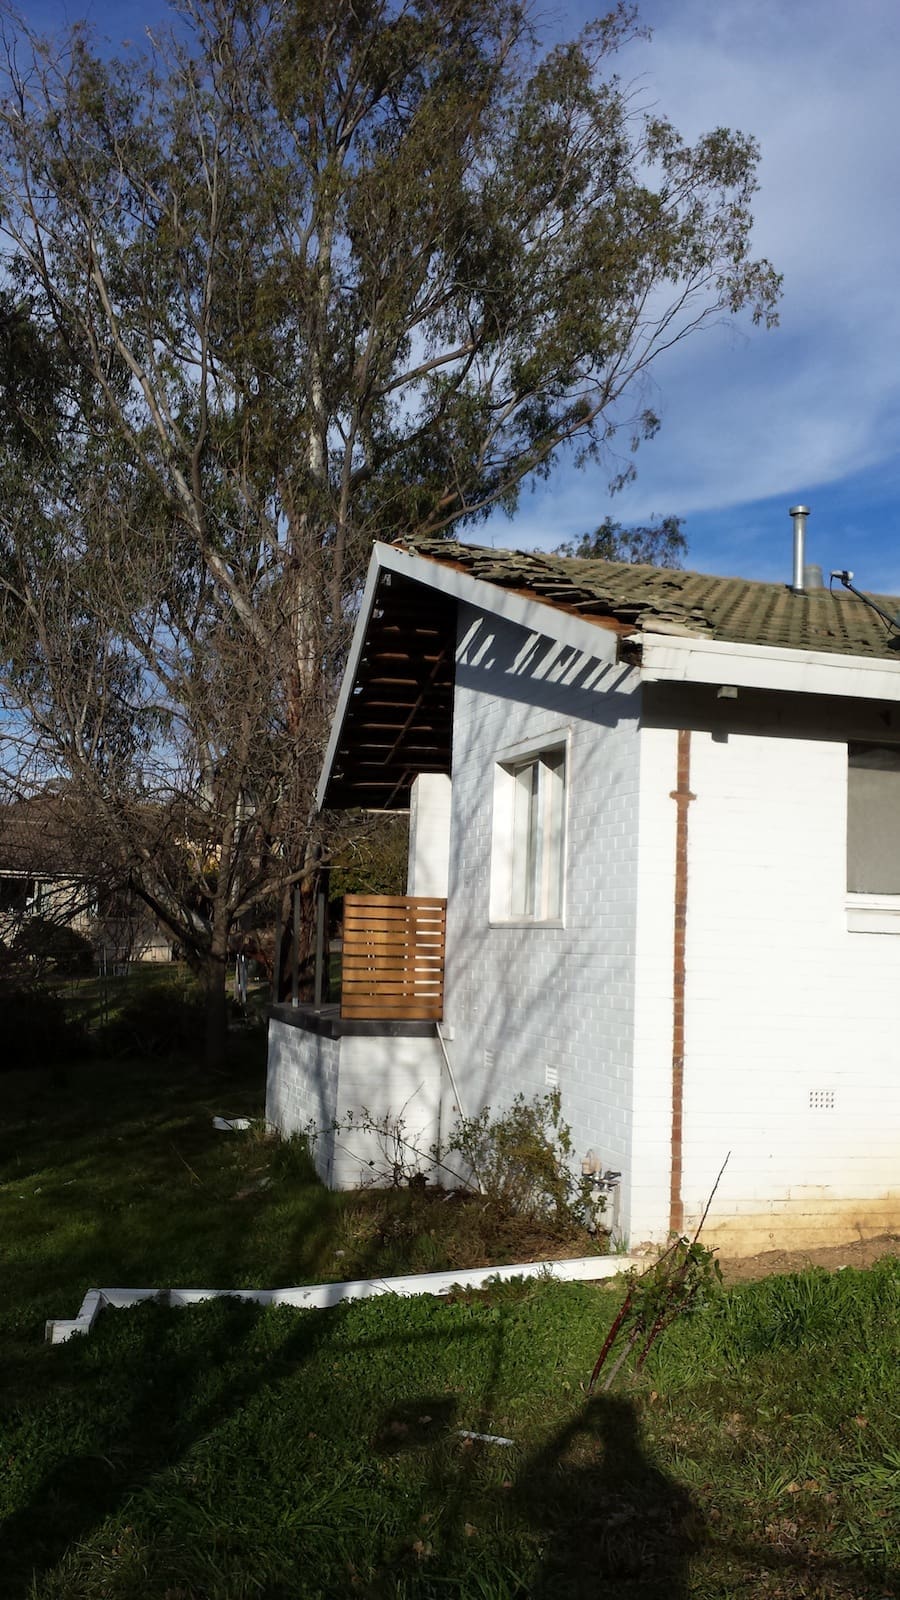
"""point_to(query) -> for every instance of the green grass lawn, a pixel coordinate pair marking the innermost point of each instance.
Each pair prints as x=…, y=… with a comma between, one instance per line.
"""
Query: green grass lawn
x=226, y=1452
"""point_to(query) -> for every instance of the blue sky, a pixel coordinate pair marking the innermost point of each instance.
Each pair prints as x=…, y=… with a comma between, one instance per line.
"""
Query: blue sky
x=755, y=422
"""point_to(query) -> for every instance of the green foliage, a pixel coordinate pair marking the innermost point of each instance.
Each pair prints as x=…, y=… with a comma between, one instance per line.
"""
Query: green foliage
x=521, y=1160
x=657, y=543
x=229, y=1451
x=48, y=946
x=290, y=1159
x=370, y=856
x=155, y=1022
x=680, y=1282
x=302, y=276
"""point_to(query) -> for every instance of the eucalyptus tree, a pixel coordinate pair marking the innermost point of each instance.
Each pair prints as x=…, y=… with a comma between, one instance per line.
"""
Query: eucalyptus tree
x=310, y=272
x=661, y=542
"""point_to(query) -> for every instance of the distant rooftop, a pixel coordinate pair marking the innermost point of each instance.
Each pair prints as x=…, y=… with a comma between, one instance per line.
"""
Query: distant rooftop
x=739, y=610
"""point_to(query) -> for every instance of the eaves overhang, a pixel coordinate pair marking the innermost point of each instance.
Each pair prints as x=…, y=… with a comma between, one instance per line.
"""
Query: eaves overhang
x=671, y=658
x=393, y=718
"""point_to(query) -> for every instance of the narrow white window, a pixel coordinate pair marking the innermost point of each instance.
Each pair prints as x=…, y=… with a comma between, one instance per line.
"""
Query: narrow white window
x=529, y=838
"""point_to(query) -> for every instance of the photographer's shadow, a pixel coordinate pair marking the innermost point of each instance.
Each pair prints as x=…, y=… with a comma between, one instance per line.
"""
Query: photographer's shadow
x=620, y=1527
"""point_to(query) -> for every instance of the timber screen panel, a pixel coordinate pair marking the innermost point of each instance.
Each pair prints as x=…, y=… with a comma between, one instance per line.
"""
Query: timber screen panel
x=392, y=966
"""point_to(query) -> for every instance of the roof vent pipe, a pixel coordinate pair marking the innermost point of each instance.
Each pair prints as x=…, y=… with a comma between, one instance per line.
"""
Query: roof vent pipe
x=799, y=514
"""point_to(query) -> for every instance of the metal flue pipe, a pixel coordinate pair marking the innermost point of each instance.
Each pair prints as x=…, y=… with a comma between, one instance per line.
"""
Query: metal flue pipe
x=799, y=514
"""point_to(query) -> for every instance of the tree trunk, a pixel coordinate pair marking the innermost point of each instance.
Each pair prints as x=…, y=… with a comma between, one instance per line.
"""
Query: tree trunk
x=215, y=968
x=216, y=1026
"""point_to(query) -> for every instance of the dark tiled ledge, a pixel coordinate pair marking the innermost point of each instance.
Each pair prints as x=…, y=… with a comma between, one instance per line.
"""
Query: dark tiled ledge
x=328, y=1023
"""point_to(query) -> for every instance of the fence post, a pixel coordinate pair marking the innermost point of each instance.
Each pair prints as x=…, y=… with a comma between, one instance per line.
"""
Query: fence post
x=320, y=946
x=295, y=950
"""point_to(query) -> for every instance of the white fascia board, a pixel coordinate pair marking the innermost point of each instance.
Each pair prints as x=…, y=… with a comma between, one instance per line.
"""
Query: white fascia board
x=668, y=658
x=538, y=616
x=356, y=648
x=577, y=632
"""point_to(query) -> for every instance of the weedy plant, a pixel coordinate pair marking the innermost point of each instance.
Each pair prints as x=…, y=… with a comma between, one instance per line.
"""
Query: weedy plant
x=522, y=1160
x=680, y=1281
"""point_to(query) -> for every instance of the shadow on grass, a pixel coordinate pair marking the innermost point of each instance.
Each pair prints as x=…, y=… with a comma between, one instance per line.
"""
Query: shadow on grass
x=185, y=1376
x=599, y=1516
x=587, y=1513
x=613, y=1522
x=167, y=1396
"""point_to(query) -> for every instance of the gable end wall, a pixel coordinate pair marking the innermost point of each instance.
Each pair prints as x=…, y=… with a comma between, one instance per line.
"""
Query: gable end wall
x=520, y=1000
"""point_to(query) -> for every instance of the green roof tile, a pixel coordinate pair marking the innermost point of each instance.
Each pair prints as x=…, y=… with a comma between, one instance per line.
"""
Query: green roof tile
x=735, y=609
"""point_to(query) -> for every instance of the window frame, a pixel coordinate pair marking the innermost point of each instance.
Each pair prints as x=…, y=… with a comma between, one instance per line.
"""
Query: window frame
x=868, y=910
x=530, y=833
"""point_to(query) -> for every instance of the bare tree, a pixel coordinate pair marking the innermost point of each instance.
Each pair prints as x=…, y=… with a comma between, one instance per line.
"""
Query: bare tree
x=305, y=273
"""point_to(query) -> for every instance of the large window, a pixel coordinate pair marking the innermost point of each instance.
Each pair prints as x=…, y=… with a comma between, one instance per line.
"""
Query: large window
x=529, y=837
x=873, y=819
x=19, y=894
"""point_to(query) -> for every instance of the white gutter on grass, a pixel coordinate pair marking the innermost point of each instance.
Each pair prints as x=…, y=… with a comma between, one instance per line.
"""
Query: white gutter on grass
x=318, y=1296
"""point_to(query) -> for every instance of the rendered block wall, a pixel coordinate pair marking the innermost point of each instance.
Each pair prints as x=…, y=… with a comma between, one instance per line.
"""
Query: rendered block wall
x=429, y=835
x=648, y=1217
x=387, y=1078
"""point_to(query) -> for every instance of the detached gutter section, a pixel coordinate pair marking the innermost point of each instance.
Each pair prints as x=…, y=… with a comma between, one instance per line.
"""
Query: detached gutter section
x=319, y=1296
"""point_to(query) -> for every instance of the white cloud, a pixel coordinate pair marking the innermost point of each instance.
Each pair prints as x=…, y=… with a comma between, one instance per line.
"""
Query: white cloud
x=746, y=416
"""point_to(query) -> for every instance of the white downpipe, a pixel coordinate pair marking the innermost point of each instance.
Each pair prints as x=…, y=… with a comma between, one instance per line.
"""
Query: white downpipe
x=443, y=1044
x=319, y=1296
x=453, y=1084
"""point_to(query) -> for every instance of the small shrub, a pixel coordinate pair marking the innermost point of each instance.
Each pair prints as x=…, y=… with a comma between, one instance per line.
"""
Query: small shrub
x=53, y=947
x=521, y=1160
x=158, y=1022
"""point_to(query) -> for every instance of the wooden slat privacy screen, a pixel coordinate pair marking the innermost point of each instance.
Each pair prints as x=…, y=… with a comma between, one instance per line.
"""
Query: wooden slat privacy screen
x=393, y=958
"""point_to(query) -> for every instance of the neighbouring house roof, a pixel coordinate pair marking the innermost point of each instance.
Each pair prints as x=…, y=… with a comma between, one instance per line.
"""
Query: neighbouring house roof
x=38, y=838
x=739, y=610
x=394, y=717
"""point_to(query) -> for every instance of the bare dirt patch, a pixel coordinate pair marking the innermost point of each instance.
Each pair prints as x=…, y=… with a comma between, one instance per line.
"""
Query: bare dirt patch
x=859, y=1253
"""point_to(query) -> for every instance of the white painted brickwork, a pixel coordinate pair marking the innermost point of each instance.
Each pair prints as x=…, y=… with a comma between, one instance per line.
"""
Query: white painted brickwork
x=654, y=954
x=302, y=1087
x=792, y=1041
x=319, y=1082
x=520, y=999
x=792, y=1027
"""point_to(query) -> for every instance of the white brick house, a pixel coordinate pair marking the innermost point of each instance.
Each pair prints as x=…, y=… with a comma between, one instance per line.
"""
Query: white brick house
x=664, y=811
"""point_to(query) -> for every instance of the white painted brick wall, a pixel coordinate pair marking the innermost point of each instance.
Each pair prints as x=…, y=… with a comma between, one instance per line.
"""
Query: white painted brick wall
x=782, y=1000
x=542, y=996
x=316, y=1082
x=302, y=1087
